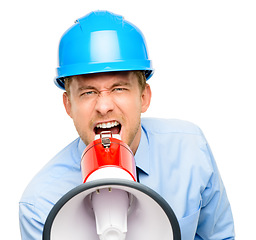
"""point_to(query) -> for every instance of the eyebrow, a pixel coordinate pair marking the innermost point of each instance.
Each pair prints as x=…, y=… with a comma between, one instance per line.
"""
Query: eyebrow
x=85, y=88
x=121, y=83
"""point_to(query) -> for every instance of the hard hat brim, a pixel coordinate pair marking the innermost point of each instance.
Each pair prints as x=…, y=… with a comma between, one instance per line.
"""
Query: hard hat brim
x=79, y=69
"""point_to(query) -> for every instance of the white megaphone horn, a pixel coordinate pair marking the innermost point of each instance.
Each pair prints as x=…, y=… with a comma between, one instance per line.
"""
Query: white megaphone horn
x=110, y=204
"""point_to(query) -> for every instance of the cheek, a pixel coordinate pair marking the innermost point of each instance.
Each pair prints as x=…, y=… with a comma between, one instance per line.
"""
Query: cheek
x=130, y=104
x=81, y=113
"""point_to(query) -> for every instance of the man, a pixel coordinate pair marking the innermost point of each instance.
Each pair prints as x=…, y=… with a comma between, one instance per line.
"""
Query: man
x=103, y=68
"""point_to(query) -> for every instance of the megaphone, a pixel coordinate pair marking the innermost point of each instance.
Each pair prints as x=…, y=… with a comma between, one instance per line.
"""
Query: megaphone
x=110, y=204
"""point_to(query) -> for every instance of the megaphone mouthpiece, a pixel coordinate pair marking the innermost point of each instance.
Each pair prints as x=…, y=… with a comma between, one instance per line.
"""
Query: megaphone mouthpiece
x=108, y=158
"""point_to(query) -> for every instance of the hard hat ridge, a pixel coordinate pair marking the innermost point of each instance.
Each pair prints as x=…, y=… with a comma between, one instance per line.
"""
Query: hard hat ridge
x=100, y=19
x=102, y=41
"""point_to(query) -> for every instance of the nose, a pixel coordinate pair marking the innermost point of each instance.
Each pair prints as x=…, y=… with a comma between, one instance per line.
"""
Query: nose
x=105, y=103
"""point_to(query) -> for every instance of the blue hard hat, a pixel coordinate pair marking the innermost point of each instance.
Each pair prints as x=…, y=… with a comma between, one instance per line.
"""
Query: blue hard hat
x=102, y=42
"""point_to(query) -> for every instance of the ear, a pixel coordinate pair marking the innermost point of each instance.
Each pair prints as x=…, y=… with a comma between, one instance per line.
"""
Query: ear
x=145, y=98
x=67, y=103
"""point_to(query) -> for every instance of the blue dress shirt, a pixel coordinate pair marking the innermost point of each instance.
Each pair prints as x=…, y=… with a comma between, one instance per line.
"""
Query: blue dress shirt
x=174, y=160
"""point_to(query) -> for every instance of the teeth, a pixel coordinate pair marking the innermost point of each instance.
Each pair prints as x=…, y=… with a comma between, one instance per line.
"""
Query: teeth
x=107, y=125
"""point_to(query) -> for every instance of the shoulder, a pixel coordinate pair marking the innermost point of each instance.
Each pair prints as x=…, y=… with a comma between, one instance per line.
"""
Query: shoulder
x=182, y=141
x=67, y=161
x=165, y=126
x=60, y=175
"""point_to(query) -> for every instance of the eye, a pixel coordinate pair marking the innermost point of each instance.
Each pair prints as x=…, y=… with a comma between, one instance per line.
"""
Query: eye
x=119, y=89
x=88, y=93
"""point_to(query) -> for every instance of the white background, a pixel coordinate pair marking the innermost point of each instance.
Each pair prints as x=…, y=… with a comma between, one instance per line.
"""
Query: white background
x=204, y=55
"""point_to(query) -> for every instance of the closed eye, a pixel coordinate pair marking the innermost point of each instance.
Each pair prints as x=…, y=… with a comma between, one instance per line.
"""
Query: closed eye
x=88, y=93
x=119, y=89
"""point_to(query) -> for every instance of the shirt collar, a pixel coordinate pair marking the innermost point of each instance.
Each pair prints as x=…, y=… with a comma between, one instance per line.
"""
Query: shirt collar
x=142, y=154
x=81, y=147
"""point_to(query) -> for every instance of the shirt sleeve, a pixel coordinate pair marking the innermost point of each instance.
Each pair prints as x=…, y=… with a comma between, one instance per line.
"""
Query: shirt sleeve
x=216, y=220
x=31, y=225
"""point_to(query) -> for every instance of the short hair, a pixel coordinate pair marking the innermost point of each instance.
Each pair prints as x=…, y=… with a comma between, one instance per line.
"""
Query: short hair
x=140, y=75
x=141, y=79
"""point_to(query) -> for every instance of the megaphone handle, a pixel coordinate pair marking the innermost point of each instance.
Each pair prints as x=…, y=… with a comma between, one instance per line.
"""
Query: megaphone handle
x=137, y=173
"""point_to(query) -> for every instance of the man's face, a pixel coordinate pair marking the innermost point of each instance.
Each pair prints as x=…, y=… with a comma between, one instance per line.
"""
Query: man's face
x=107, y=101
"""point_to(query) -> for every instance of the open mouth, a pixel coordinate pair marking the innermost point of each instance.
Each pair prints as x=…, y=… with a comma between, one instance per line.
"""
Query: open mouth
x=114, y=127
